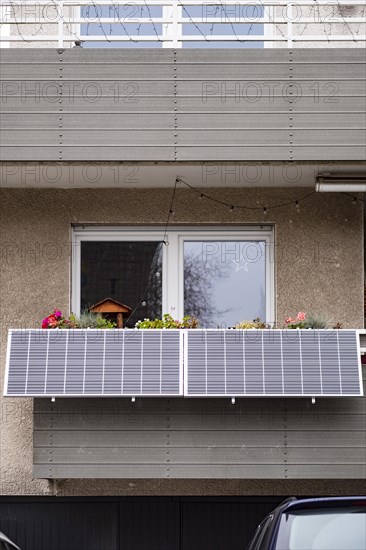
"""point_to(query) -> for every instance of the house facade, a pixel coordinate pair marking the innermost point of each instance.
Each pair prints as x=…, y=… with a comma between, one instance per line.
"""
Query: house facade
x=181, y=181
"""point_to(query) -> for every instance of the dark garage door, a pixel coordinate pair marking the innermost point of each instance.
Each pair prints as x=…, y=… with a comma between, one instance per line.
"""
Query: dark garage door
x=132, y=523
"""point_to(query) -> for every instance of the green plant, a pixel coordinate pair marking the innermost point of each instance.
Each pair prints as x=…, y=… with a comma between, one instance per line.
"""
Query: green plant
x=256, y=323
x=168, y=322
x=316, y=322
x=88, y=319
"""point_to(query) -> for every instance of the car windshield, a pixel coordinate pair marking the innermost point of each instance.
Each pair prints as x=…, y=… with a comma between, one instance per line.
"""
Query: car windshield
x=323, y=529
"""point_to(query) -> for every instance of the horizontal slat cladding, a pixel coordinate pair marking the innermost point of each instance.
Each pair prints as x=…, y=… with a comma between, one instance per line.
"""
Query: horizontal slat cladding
x=266, y=121
x=187, y=438
x=253, y=410
x=93, y=362
x=106, y=106
x=262, y=91
x=273, y=362
x=269, y=136
x=212, y=422
x=201, y=455
x=281, y=105
x=85, y=91
x=126, y=121
x=89, y=152
x=220, y=104
x=276, y=73
x=167, y=438
x=115, y=137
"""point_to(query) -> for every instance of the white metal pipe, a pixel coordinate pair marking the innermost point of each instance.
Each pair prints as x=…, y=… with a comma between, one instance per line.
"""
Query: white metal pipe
x=341, y=187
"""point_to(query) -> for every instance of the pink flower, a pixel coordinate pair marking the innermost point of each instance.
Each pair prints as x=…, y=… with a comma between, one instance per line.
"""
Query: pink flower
x=57, y=313
x=289, y=320
x=52, y=321
x=45, y=322
x=301, y=316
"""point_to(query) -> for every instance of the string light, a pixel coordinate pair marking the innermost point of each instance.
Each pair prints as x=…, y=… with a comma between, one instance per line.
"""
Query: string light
x=170, y=213
x=264, y=209
x=233, y=207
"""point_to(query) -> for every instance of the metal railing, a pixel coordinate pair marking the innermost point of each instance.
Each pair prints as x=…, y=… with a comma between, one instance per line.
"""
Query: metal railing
x=183, y=23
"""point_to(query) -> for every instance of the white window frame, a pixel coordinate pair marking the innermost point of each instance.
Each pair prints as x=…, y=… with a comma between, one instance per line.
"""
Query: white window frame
x=173, y=283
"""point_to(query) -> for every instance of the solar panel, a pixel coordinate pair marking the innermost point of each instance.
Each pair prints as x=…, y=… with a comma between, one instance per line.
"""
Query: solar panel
x=272, y=363
x=362, y=335
x=216, y=363
x=93, y=363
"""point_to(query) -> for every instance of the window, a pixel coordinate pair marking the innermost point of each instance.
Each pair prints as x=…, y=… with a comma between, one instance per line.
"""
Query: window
x=183, y=25
x=220, y=276
x=324, y=528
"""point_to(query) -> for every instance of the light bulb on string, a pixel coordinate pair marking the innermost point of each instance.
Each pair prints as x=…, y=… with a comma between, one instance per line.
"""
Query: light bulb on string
x=297, y=206
x=265, y=210
x=231, y=210
x=354, y=200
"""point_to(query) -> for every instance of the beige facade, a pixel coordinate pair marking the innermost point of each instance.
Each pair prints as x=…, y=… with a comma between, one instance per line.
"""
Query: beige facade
x=318, y=269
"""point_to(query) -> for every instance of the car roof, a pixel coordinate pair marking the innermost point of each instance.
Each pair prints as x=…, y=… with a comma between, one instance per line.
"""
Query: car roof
x=321, y=502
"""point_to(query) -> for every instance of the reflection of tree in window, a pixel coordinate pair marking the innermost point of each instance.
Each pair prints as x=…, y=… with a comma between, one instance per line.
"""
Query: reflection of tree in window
x=224, y=281
x=200, y=279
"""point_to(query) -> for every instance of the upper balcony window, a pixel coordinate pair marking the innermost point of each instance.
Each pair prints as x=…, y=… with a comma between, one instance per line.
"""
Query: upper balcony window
x=220, y=277
x=177, y=24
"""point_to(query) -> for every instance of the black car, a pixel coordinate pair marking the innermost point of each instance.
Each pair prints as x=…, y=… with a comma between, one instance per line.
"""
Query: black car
x=333, y=523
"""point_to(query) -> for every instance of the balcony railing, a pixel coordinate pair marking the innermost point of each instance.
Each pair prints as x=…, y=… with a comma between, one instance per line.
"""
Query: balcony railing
x=183, y=23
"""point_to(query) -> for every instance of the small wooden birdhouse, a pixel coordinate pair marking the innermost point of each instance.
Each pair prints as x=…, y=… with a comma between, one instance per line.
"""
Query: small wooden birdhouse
x=113, y=310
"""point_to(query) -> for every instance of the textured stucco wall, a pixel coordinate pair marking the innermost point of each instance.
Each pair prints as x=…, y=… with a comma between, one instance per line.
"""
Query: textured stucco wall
x=319, y=268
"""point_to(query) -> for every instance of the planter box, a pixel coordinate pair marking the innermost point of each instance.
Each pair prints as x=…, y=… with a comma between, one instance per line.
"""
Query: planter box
x=212, y=363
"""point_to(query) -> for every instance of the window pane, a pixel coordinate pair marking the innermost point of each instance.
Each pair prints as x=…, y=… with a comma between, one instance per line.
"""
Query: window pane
x=129, y=272
x=323, y=529
x=224, y=281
